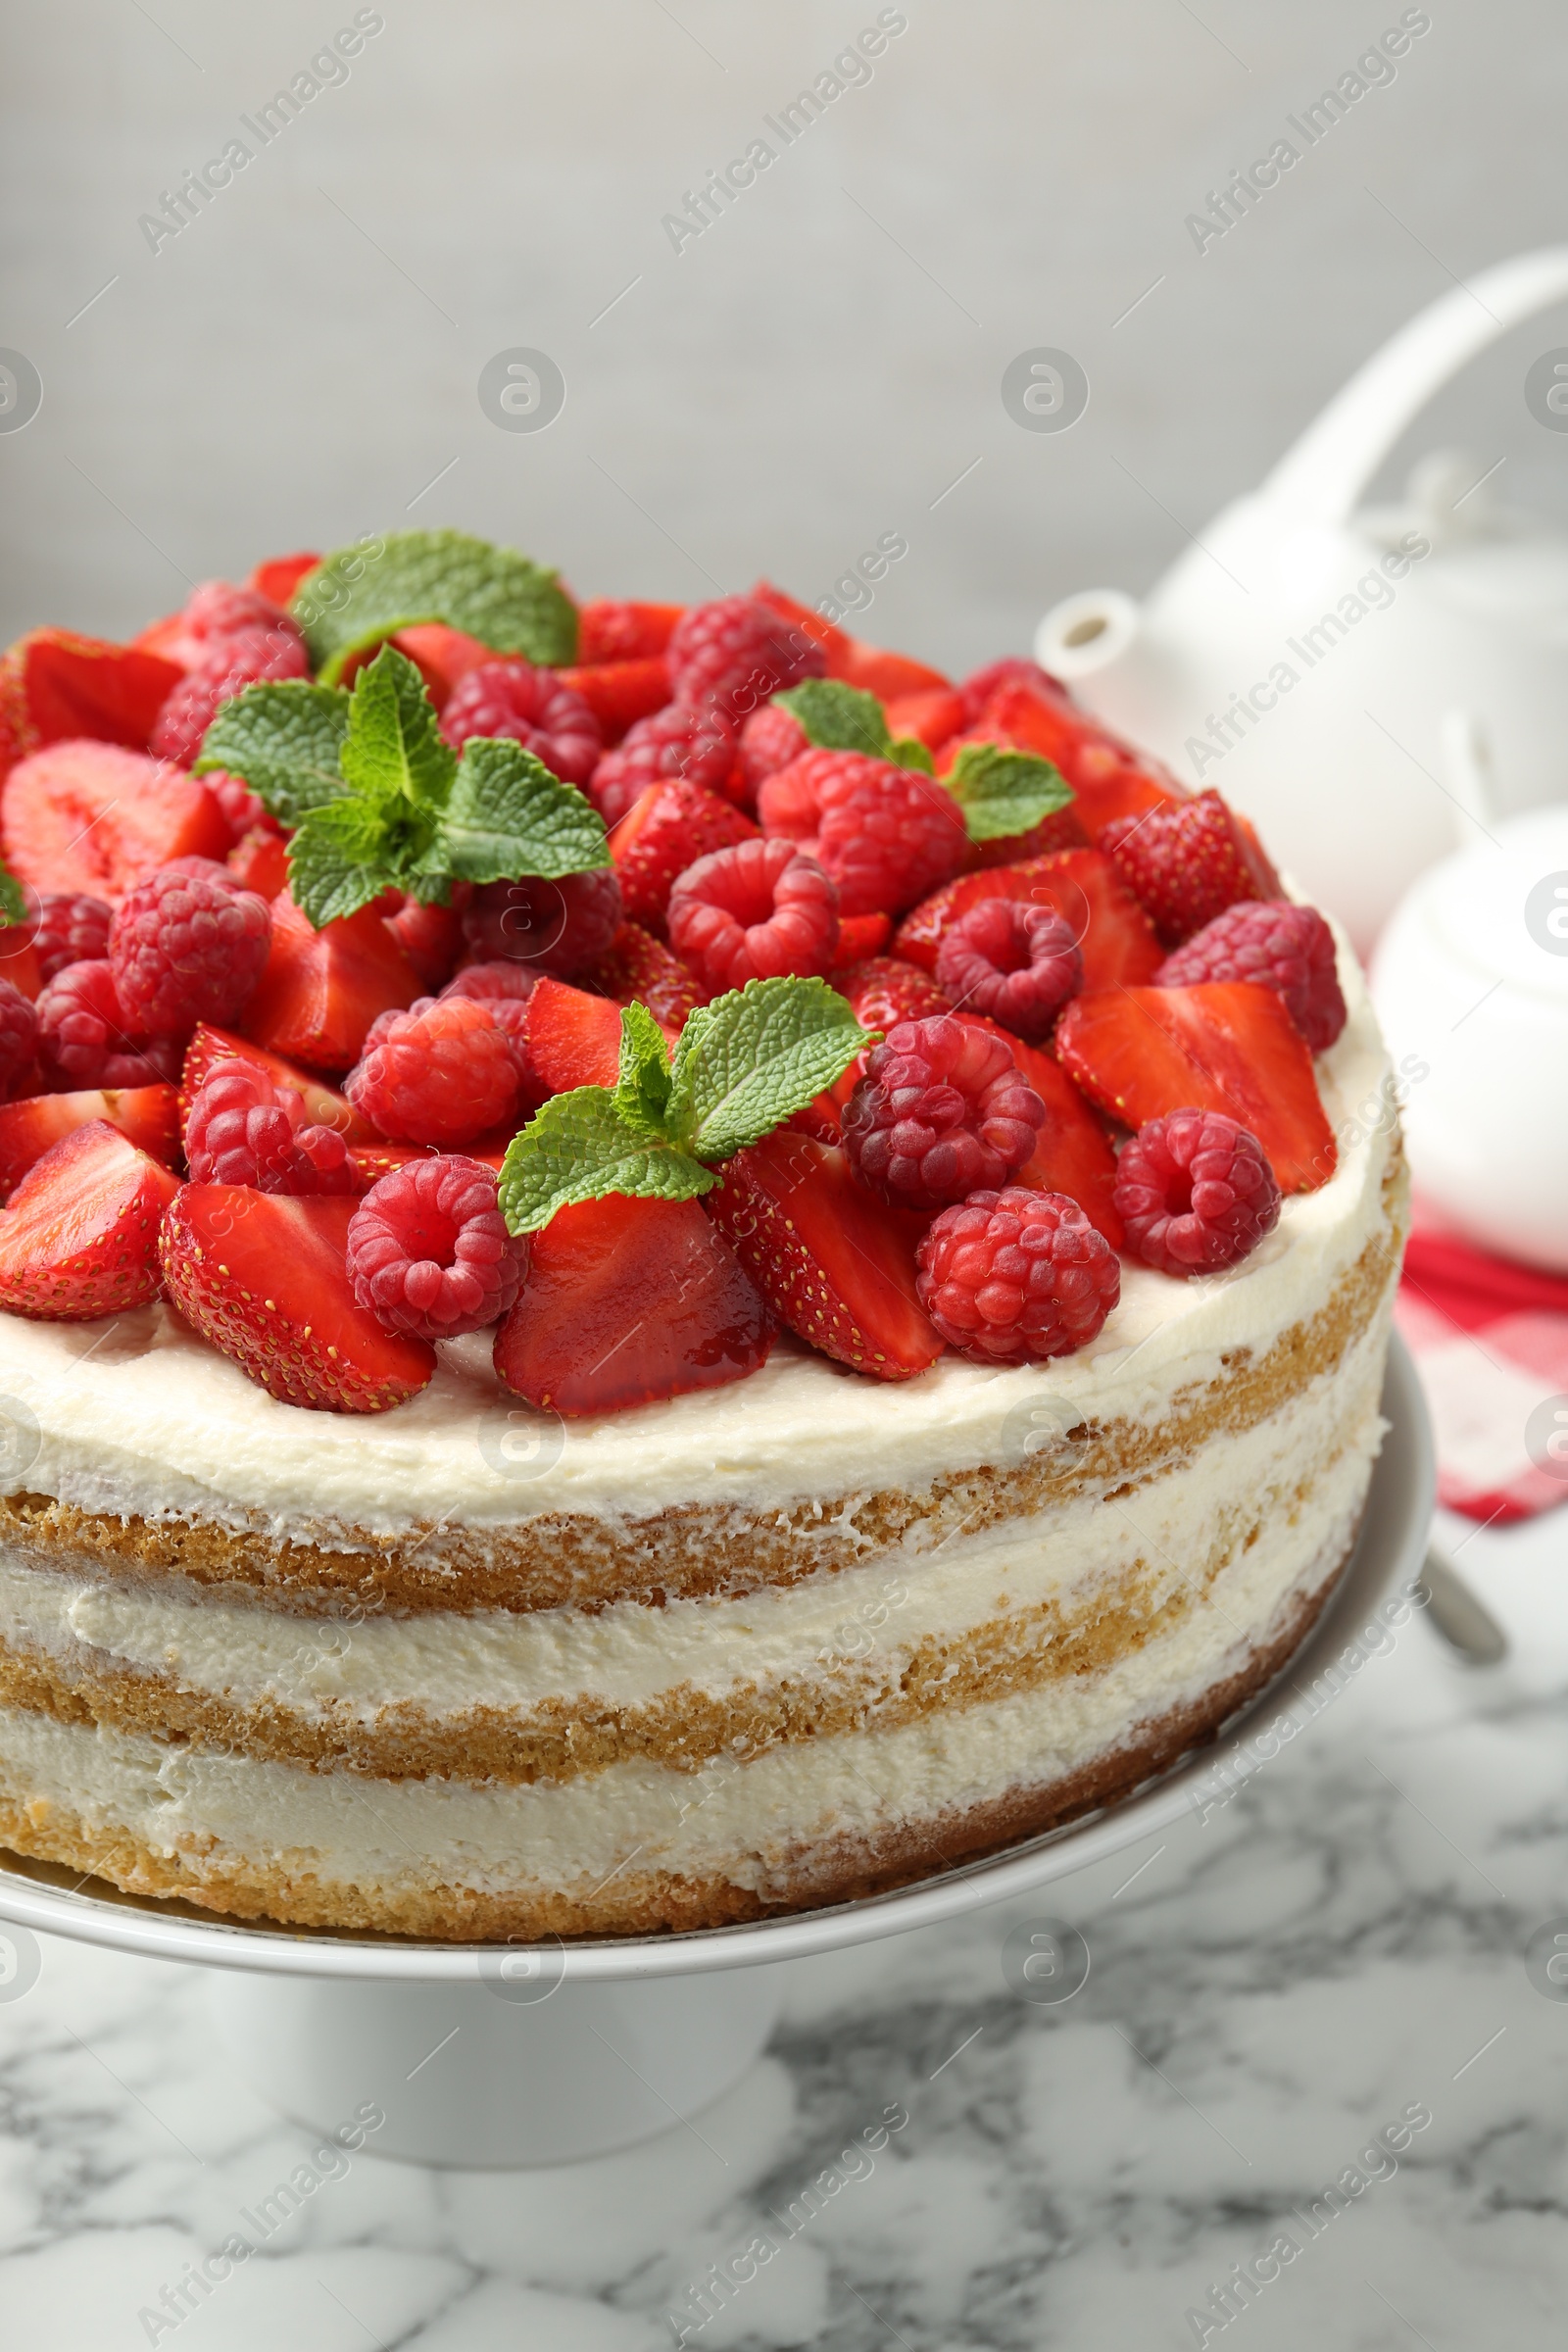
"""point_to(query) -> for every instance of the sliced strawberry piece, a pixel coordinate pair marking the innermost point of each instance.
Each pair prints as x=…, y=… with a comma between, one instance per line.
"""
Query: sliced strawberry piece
x=262, y=1276
x=619, y=693
x=572, y=1039
x=890, y=677
x=831, y=1261
x=610, y=630
x=1109, y=777
x=259, y=860
x=324, y=1106
x=440, y=655
x=1072, y=1153
x=861, y=935
x=80, y=1237
x=931, y=716
x=666, y=829
x=279, y=575
x=1225, y=1044
x=321, y=989
x=817, y=627
x=19, y=961
x=1117, y=939
x=626, y=1302
x=1188, y=863
x=96, y=817
x=148, y=1115
x=56, y=686
x=884, y=990
x=430, y=937
x=639, y=970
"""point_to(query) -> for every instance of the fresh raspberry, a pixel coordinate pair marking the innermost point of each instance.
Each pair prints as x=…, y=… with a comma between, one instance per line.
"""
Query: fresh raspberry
x=753, y=912
x=85, y=1037
x=276, y=651
x=428, y=1251
x=441, y=1074
x=884, y=991
x=1195, y=1193
x=242, y=1129
x=555, y=927
x=530, y=705
x=503, y=989
x=887, y=835
x=219, y=609
x=1016, y=1276
x=72, y=928
x=185, y=948
x=1013, y=669
x=1287, y=948
x=735, y=653
x=942, y=1112
x=1188, y=861
x=676, y=744
x=243, y=808
x=1018, y=963
x=770, y=740
x=18, y=1035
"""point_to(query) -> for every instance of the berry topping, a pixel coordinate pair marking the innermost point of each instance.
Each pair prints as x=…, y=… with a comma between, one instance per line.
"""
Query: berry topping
x=555, y=926
x=504, y=990
x=430, y=937
x=90, y=816
x=1225, y=1044
x=219, y=609
x=980, y=688
x=1288, y=949
x=612, y=629
x=148, y=1114
x=80, y=1237
x=942, y=1112
x=885, y=834
x=70, y=927
x=428, y=1251
x=275, y=650
x=620, y=693
x=735, y=653
x=264, y=1278
x=18, y=1035
x=244, y=1129
x=638, y=968
x=1072, y=1153
x=1189, y=862
x=85, y=1039
x=1018, y=963
x=571, y=1039
x=1017, y=1277
x=322, y=989
x=1114, y=934
x=1195, y=1193
x=666, y=829
x=533, y=708
x=771, y=739
x=628, y=1300
x=676, y=744
x=884, y=991
x=324, y=1106
x=441, y=1075
x=185, y=948
x=259, y=861
x=243, y=808
x=754, y=912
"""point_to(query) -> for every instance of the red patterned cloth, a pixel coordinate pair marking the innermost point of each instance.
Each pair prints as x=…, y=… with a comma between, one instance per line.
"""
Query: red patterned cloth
x=1490, y=1339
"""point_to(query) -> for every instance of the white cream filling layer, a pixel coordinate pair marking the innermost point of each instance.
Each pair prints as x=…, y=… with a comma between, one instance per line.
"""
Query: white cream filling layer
x=861, y=1624
x=141, y=1416
x=741, y=1820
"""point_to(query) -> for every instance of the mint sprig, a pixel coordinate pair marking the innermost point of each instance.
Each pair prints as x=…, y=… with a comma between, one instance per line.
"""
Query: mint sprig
x=842, y=719
x=364, y=593
x=1004, y=792
x=284, y=740
x=744, y=1063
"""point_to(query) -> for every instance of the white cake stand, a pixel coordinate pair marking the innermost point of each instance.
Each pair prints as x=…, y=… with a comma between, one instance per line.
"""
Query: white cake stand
x=537, y=2055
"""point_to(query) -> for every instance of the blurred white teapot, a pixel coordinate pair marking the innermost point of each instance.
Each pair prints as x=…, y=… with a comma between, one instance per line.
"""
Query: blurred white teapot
x=1301, y=655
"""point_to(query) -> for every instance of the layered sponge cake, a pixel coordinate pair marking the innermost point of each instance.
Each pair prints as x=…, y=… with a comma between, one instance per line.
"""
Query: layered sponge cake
x=650, y=1591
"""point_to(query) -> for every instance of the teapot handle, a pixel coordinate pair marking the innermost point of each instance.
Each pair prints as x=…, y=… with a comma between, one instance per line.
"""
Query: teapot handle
x=1322, y=476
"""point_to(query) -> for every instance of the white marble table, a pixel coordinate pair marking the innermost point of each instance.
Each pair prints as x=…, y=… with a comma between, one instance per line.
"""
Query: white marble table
x=1339, y=1946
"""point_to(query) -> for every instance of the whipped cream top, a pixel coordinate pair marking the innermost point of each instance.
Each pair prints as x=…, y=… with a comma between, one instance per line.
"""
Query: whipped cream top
x=138, y=1415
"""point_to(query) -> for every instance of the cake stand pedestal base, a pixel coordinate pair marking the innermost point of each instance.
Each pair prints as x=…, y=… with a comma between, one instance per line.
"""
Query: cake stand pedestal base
x=481, y=2073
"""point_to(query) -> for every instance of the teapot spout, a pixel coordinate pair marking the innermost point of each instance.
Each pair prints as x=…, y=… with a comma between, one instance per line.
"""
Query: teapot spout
x=1085, y=634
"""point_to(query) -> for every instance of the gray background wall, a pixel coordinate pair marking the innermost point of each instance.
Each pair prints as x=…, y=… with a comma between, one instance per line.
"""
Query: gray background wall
x=812, y=372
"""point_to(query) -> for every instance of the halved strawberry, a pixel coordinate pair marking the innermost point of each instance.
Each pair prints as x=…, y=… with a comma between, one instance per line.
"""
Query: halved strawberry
x=56, y=685
x=1226, y=1045
x=1116, y=937
x=834, y=641
x=440, y=655
x=1072, y=1153
x=666, y=829
x=1108, y=776
x=148, y=1115
x=619, y=693
x=262, y=1276
x=572, y=1039
x=430, y=937
x=931, y=715
x=890, y=677
x=324, y=1106
x=93, y=817
x=320, y=990
x=637, y=968
x=19, y=959
x=885, y=990
x=259, y=860
x=610, y=629
x=626, y=1302
x=1188, y=863
x=833, y=1263
x=861, y=935
x=279, y=575
x=80, y=1237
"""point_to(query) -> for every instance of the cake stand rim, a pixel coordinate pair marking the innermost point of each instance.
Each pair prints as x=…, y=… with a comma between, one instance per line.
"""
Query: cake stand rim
x=1391, y=1543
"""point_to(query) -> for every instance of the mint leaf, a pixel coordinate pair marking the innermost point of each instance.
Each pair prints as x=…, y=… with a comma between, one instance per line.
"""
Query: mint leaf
x=284, y=741
x=13, y=905
x=752, y=1057
x=908, y=750
x=509, y=815
x=394, y=749
x=579, y=1148
x=642, y=1090
x=367, y=592
x=839, y=717
x=383, y=830
x=1003, y=792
